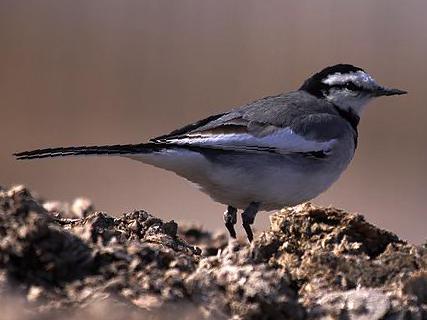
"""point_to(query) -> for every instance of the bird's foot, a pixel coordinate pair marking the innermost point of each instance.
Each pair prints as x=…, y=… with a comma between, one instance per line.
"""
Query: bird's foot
x=230, y=219
x=248, y=218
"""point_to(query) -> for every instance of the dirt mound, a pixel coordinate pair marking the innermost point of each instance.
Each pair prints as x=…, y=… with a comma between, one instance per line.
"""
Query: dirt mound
x=61, y=260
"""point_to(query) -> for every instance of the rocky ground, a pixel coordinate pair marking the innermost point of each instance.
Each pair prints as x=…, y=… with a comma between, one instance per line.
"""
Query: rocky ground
x=69, y=261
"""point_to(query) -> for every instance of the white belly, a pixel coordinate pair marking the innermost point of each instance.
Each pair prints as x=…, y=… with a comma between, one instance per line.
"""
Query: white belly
x=274, y=185
x=238, y=179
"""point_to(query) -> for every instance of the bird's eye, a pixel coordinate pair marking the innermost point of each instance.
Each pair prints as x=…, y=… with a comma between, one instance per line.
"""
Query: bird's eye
x=351, y=86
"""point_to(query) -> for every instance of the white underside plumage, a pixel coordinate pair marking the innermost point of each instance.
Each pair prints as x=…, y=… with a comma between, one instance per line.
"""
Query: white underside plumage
x=273, y=180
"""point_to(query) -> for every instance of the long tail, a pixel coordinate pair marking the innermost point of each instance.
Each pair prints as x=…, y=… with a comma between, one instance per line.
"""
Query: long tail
x=89, y=150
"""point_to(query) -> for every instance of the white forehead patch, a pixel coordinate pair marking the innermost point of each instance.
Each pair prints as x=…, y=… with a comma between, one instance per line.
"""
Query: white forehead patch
x=359, y=78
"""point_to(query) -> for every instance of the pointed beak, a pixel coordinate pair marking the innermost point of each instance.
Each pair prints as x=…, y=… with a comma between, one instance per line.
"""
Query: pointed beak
x=382, y=91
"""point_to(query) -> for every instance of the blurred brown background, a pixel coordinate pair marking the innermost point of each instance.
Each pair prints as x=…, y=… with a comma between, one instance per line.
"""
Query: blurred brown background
x=105, y=71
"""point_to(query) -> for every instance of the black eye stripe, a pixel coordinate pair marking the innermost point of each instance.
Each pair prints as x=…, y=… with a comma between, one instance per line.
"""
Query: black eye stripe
x=347, y=85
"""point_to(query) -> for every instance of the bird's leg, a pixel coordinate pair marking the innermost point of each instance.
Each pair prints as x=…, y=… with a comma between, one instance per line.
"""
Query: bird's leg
x=248, y=218
x=230, y=219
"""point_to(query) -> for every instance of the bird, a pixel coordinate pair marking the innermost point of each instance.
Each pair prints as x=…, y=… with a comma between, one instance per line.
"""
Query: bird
x=278, y=151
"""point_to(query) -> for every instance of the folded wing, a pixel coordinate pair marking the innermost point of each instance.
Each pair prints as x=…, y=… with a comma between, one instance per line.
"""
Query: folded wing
x=247, y=136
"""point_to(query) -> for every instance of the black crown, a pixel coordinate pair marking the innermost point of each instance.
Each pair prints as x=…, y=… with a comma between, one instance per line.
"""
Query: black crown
x=314, y=84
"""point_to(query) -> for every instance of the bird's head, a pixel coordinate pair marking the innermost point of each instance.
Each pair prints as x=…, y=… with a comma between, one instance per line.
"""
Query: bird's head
x=347, y=87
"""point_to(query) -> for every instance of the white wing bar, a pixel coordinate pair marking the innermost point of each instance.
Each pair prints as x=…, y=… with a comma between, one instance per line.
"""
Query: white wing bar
x=282, y=141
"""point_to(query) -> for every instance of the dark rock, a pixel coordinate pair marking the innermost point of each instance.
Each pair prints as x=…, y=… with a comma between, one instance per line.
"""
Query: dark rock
x=314, y=263
x=34, y=249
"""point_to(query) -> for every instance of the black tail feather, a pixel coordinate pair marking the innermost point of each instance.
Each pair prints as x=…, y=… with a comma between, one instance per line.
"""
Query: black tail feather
x=88, y=150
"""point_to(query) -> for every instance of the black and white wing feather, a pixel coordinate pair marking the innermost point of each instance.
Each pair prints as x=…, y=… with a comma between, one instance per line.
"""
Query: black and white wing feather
x=275, y=124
